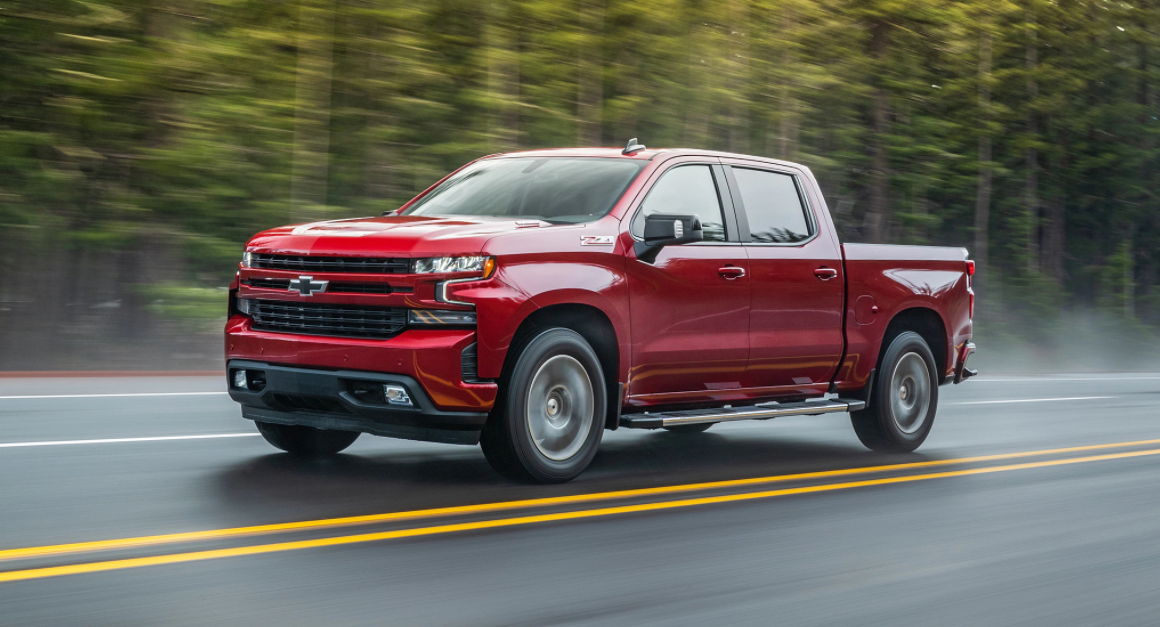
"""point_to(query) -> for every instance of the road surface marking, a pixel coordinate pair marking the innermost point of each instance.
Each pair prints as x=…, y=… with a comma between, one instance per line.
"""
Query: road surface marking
x=164, y=438
x=1031, y=400
x=306, y=525
x=178, y=558
x=140, y=394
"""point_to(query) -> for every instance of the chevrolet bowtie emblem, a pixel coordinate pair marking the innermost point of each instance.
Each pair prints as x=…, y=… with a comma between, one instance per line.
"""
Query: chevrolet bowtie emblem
x=307, y=286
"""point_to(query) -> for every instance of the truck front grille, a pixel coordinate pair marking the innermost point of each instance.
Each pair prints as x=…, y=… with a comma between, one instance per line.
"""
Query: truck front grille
x=333, y=288
x=359, y=321
x=302, y=263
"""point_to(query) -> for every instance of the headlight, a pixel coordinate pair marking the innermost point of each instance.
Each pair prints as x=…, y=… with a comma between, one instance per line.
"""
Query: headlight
x=446, y=265
x=439, y=316
x=247, y=259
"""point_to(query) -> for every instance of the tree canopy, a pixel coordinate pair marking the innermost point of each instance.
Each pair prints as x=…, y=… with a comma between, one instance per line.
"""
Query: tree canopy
x=143, y=141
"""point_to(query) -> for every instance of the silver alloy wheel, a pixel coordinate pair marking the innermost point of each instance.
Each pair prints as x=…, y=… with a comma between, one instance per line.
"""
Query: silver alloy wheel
x=910, y=393
x=560, y=407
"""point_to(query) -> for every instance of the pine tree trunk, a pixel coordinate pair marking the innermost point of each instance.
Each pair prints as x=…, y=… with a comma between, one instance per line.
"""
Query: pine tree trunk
x=312, y=107
x=1031, y=155
x=1129, y=280
x=590, y=79
x=738, y=68
x=877, y=216
x=502, y=77
x=788, y=127
x=696, y=129
x=1053, y=237
x=381, y=180
x=984, y=184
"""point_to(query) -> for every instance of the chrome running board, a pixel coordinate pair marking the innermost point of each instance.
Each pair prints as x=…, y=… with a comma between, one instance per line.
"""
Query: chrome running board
x=727, y=414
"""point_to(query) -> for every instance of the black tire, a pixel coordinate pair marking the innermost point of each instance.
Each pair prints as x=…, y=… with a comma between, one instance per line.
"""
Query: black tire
x=903, y=399
x=689, y=429
x=306, y=441
x=559, y=366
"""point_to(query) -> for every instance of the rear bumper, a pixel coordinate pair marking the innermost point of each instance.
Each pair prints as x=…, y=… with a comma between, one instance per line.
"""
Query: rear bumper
x=329, y=399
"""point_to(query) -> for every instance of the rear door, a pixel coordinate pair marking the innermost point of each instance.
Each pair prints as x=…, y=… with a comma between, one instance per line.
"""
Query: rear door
x=690, y=308
x=795, y=319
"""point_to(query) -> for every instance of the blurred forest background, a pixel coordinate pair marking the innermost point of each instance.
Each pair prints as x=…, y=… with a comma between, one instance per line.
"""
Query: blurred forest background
x=143, y=141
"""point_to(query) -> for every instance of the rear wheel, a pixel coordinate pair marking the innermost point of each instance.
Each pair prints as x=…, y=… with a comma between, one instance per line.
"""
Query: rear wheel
x=549, y=418
x=903, y=400
x=306, y=441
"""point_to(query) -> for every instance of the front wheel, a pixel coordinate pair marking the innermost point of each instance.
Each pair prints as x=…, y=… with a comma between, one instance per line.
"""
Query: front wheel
x=549, y=418
x=306, y=441
x=903, y=399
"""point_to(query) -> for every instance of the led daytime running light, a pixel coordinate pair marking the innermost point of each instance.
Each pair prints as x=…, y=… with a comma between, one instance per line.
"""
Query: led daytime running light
x=448, y=265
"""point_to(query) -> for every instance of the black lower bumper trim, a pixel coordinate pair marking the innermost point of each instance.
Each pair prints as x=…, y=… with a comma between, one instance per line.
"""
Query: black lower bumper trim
x=336, y=399
x=362, y=425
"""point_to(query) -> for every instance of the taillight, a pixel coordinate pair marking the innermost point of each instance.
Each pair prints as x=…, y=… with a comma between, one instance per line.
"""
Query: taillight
x=970, y=268
x=971, y=311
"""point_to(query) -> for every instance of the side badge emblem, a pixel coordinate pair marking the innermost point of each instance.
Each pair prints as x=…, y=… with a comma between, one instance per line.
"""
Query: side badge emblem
x=597, y=240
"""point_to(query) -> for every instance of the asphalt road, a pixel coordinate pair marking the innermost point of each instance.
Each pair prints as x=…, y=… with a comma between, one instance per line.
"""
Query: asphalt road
x=950, y=535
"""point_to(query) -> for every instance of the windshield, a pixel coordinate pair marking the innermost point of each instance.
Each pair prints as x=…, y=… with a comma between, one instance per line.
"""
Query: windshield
x=555, y=189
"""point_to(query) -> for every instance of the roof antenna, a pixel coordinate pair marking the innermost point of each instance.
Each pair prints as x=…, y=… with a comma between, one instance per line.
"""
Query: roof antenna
x=632, y=147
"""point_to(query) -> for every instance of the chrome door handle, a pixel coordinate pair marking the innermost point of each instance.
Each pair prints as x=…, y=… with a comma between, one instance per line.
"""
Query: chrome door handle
x=825, y=274
x=731, y=272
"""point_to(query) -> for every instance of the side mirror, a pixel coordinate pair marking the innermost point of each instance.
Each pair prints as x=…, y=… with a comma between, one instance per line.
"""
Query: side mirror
x=667, y=229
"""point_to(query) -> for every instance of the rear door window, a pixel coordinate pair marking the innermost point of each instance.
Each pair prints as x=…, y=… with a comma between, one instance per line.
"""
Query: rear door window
x=773, y=206
x=686, y=189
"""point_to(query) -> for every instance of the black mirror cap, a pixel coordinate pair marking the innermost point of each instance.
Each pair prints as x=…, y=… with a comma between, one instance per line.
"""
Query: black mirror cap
x=672, y=228
x=667, y=229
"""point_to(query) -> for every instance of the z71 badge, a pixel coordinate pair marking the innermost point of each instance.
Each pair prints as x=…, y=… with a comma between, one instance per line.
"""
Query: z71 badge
x=597, y=240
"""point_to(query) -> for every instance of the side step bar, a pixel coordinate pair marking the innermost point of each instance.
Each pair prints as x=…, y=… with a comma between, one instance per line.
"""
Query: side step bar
x=756, y=412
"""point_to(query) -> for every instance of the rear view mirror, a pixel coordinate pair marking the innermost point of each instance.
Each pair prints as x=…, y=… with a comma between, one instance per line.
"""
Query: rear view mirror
x=667, y=229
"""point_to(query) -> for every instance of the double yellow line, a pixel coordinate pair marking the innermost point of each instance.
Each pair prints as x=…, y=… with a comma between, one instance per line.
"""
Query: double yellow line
x=217, y=534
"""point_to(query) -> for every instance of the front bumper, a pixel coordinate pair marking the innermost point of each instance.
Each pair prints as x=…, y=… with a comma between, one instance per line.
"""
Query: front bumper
x=341, y=400
x=433, y=358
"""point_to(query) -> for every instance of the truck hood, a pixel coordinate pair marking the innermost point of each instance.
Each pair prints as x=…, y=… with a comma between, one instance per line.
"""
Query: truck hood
x=406, y=236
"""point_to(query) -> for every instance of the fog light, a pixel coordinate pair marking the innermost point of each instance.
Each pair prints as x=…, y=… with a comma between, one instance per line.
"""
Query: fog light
x=439, y=316
x=396, y=395
x=240, y=379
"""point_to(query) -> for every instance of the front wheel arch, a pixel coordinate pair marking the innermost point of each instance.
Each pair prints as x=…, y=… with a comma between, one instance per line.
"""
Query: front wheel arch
x=594, y=326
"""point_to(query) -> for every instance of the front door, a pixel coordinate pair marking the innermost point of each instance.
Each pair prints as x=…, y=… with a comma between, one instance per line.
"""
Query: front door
x=795, y=320
x=690, y=308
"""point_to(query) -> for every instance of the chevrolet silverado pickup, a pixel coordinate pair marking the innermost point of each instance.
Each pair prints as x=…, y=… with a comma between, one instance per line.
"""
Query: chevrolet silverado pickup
x=529, y=301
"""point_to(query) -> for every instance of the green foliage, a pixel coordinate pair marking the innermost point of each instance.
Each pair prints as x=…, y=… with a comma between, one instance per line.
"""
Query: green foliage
x=185, y=303
x=200, y=122
x=195, y=310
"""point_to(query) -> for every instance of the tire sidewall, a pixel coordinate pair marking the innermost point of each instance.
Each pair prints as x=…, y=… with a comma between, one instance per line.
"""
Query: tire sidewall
x=903, y=343
x=539, y=349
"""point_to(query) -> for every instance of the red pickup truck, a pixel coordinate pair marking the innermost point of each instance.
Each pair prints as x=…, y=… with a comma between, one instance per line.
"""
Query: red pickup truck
x=529, y=301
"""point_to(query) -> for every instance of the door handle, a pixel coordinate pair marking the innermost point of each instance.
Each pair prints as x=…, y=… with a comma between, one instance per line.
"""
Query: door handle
x=825, y=274
x=731, y=272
